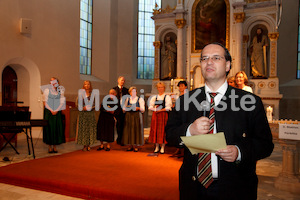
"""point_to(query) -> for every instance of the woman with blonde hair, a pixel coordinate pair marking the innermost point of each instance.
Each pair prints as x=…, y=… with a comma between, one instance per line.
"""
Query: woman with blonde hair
x=87, y=127
x=160, y=104
x=241, y=81
x=133, y=134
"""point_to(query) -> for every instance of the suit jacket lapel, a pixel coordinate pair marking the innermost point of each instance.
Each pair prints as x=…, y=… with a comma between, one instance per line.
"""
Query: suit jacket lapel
x=197, y=112
x=221, y=115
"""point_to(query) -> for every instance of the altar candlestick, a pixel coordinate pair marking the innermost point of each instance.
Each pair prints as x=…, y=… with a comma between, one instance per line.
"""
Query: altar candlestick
x=269, y=113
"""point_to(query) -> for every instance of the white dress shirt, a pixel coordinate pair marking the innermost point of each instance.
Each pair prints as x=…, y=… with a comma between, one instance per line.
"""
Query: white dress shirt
x=220, y=93
x=133, y=101
x=168, y=102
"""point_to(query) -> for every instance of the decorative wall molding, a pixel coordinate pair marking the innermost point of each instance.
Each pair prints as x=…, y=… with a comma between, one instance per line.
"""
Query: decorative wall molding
x=273, y=36
x=180, y=23
x=239, y=17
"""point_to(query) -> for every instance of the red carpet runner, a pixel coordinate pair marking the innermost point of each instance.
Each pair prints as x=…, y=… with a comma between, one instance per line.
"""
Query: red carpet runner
x=116, y=174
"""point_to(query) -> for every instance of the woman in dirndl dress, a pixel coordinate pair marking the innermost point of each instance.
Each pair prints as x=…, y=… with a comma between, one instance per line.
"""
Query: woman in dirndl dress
x=133, y=133
x=54, y=102
x=87, y=127
x=107, y=120
x=160, y=104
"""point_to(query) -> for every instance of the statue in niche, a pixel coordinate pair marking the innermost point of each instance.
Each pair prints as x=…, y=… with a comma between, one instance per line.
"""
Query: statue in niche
x=258, y=53
x=168, y=58
x=210, y=23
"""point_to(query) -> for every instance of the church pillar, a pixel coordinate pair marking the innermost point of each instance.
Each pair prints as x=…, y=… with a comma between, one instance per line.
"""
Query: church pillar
x=157, y=45
x=273, y=54
x=180, y=23
x=179, y=5
x=245, y=47
x=239, y=19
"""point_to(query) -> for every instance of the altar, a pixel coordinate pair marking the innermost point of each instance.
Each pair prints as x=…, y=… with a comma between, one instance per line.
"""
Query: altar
x=288, y=179
x=191, y=24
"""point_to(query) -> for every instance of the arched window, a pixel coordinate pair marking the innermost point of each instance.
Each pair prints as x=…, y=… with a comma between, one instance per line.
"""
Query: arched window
x=86, y=25
x=146, y=37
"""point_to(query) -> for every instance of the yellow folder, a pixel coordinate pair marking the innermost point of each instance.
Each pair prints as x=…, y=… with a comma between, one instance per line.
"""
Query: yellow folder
x=208, y=143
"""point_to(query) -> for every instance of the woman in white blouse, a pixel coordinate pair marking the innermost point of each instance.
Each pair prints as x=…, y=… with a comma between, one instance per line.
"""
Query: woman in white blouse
x=160, y=105
x=54, y=102
x=241, y=81
x=133, y=133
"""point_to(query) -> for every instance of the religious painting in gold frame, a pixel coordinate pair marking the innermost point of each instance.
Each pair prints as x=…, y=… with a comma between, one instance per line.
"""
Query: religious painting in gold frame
x=210, y=23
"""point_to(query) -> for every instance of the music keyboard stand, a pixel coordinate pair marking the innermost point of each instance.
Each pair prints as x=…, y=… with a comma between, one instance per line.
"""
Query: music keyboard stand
x=6, y=128
x=8, y=140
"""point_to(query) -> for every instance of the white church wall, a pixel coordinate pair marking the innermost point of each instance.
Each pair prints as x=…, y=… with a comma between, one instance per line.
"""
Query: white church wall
x=126, y=17
x=53, y=45
x=103, y=30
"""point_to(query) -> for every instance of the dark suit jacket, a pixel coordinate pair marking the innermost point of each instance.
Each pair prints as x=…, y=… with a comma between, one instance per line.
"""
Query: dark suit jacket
x=124, y=91
x=119, y=112
x=249, y=130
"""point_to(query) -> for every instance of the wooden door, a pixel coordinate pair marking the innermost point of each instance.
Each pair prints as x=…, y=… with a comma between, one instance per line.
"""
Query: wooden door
x=9, y=87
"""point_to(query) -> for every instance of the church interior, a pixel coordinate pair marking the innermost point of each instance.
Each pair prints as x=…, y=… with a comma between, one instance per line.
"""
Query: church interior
x=44, y=39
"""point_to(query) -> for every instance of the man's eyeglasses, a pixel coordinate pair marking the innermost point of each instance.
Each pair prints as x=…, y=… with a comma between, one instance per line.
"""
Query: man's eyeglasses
x=213, y=58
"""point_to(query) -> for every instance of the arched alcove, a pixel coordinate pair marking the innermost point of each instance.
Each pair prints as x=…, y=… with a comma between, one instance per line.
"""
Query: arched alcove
x=29, y=82
x=162, y=33
x=197, y=79
x=267, y=24
x=162, y=30
x=168, y=56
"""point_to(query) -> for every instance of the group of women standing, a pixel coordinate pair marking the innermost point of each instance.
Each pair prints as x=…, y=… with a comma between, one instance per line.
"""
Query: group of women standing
x=88, y=130
x=133, y=107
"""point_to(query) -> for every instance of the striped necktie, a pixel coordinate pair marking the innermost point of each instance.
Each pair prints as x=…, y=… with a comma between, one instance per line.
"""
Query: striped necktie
x=204, y=159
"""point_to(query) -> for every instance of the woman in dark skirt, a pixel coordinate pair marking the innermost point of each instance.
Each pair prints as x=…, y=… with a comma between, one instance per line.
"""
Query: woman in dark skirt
x=160, y=105
x=133, y=134
x=54, y=102
x=106, y=122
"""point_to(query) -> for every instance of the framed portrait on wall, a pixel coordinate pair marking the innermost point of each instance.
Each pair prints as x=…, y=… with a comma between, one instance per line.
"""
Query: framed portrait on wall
x=210, y=23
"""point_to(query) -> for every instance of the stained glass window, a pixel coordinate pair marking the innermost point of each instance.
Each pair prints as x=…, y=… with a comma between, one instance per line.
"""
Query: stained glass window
x=146, y=37
x=86, y=25
x=298, y=68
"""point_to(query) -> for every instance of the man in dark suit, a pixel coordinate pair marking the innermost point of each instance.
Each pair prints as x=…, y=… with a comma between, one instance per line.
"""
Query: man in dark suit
x=239, y=114
x=120, y=116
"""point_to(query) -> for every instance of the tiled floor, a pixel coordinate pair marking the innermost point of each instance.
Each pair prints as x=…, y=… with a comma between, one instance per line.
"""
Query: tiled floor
x=267, y=170
x=10, y=192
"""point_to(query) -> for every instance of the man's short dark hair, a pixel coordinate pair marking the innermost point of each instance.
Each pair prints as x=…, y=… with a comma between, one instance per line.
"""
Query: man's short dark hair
x=182, y=82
